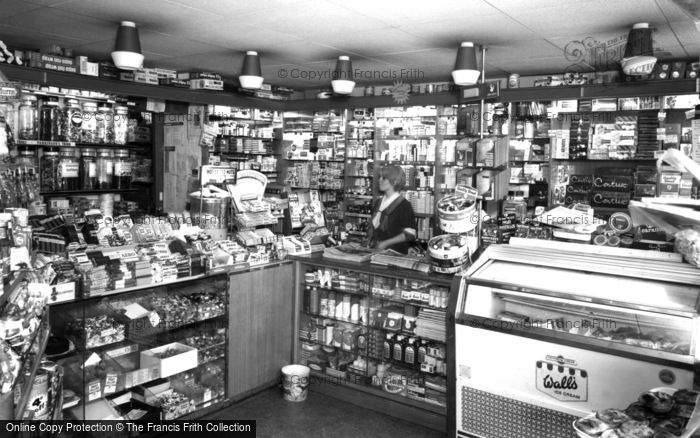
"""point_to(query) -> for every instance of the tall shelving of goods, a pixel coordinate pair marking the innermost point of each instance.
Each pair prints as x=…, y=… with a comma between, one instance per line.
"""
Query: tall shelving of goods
x=313, y=150
x=613, y=144
x=246, y=139
x=83, y=150
x=359, y=173
x=529, y=154
x=407, y=137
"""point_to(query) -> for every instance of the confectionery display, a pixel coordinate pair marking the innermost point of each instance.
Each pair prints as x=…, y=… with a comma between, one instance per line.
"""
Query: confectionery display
x=448, y=253
x=657, y=413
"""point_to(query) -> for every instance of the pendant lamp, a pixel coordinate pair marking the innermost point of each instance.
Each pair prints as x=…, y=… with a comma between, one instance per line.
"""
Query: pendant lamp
x=342, y=82
x=639, y=56
x=466, y=72
x=127, y=49
x=251, y=75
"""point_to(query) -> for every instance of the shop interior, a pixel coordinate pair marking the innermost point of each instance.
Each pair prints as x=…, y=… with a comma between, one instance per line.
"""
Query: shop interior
x=475, y=219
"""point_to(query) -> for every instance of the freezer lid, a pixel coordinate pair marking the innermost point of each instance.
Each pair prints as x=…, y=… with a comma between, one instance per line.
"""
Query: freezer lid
x=658, y=283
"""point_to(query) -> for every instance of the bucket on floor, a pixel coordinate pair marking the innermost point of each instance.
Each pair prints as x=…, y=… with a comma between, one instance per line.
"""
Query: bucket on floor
x=296, y=382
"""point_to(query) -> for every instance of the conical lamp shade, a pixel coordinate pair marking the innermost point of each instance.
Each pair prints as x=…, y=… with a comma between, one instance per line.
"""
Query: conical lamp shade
x=127, y=49
x=639, y=56
x=251, y=74
x=466, y=71
x=343, y=82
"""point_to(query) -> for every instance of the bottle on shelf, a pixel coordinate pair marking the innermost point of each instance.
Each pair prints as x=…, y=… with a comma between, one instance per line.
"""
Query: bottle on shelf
x=28, y=118
x=331, y=305
x=314, y=301
x=399, y=347
x=422, y=351
x=323, y=303
x=388, y=349
x=409, y=357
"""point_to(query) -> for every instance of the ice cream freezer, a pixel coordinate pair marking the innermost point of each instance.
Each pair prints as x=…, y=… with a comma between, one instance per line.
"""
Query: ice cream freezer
x=544, y=333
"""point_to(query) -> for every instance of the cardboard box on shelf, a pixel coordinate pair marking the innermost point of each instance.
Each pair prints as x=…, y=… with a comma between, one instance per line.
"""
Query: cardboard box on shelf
x=108, y=70
x=146, y=76
x=184, y=358
x=206, y=84
x=86, y=67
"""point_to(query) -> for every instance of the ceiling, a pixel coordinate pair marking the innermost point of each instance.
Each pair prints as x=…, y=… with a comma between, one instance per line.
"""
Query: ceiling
x=409, y=40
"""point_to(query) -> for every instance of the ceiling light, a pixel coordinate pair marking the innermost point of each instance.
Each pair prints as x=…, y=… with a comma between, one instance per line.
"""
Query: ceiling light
x=639, y=56
x=343, y=78
x=127, y=49
x=251, y=75
x=465, y=72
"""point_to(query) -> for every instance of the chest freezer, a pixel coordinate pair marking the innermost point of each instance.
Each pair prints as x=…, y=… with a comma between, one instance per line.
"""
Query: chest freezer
x=545, y=333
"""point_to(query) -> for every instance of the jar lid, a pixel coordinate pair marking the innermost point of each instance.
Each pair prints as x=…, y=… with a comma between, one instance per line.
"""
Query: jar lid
x=104, y=105
x=29, y=97
x=51, y=151
x=67, y=152
x=51, y=100
x=105, y=152
x=88, y=152
x=121, y=153
x=72, y=102
x=121, y=109
x=89, y=105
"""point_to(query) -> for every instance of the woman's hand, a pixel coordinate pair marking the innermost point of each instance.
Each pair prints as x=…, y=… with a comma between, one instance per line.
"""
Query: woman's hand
x=382, y=244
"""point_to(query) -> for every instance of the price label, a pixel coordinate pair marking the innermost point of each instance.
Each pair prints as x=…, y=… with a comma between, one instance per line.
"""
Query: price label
x=94, y=390
x=111, y=383
x=154, y=319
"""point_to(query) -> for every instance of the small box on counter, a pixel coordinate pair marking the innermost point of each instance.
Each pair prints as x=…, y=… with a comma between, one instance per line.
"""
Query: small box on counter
x=576, y=199
x=669, y=184
x=171, y=82
x=610, y=199
x=206, y=84
x=172, y=358
x=164, y=73
x=612, y=183
x=644, y=190
x=108, y=70
x=199, y=75
x=85, y=67
x=146, y=76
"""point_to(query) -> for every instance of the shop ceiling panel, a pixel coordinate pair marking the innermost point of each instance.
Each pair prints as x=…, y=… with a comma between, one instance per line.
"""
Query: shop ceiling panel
x=589, y=17
x=692, y=7
x=17, y=37
x=417, y=11
x=533, y=66
x=46, y=2
x=377, y=42
x=220, y=61
x=169, y=45
x=315, y=20
x=688, y=34
x=497, y=28
x=238, y=9
x=11, y=8
x=59, y=22
x=222, y=33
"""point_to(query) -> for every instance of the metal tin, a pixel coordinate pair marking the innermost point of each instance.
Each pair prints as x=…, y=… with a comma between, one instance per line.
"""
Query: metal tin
x=514, y=80
x=369, y=91
x=429, y=88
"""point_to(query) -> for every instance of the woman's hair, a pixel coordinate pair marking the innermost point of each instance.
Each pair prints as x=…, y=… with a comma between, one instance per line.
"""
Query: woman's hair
x=395, y=176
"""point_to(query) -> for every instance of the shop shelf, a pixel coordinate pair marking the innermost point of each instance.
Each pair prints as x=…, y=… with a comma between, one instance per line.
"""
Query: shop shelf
x=340, y=320
x=89, y=192
x=125, y=88
x=479, y=169
x=358, y=215
x=408, y=162
x=384, y=298
x=325, y=161
x=79, y=144
x=360, y=176
x=436, y=409
x=351, y=196
x=639, y=160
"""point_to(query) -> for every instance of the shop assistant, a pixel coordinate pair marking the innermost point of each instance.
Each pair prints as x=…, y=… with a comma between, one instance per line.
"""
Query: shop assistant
x=393, y=224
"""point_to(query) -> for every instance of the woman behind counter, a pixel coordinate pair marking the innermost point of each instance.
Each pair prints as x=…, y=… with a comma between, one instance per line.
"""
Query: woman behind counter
x=393, y=224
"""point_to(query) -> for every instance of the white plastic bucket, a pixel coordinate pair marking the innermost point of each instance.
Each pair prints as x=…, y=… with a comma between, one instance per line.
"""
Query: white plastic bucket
x=296, y=382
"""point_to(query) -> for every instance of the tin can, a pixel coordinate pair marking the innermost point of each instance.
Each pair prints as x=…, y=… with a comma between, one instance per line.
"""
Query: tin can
x=369, y=91
x=415, y=89
x=39, y=394
x=386, y=91
x=429, y=88
x=514, y=80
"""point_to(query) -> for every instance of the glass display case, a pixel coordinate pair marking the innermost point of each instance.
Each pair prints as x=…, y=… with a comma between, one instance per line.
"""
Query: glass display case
x=546, y=332
x=157, y=352
x=378, y=331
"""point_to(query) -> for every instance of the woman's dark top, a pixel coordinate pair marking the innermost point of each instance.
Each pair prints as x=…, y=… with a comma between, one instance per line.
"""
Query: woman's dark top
x=394, y=219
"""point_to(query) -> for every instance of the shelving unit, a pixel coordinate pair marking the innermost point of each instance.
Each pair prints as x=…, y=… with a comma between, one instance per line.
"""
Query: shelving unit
x=119, y=363
x=341, y=361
